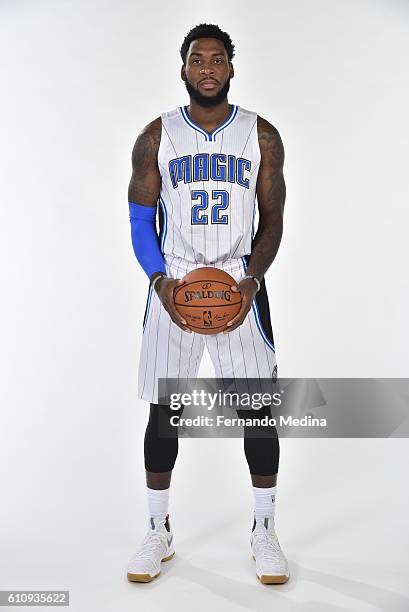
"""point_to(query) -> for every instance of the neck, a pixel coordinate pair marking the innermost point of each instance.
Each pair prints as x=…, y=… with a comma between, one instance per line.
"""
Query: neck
x=209, y=114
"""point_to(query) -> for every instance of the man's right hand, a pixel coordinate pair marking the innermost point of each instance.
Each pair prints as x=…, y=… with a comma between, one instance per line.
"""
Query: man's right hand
x=165, y=287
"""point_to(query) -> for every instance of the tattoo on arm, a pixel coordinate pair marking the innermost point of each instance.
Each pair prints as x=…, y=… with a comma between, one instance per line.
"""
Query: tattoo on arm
x=144, y=185
x=271, y=193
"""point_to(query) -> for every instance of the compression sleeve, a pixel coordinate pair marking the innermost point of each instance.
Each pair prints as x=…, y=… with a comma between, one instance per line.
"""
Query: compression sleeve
x=145, y=238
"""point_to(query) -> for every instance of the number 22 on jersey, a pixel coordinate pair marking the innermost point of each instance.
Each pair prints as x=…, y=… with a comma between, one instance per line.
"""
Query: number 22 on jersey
x=201, y=211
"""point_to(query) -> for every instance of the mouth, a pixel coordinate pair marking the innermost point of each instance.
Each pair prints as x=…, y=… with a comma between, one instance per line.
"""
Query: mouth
x=208, y=84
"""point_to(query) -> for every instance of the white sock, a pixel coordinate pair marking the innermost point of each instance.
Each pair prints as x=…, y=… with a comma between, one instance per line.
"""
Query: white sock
x=158, y=502
x=264, y=503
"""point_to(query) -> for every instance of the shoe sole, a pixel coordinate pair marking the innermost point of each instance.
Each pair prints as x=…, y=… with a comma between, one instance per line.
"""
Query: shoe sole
x=278, y=579
x=147, y=577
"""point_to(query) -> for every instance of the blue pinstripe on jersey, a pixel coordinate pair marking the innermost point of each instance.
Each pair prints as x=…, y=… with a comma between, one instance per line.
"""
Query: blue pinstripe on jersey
x=148, y=303
x=165, y=224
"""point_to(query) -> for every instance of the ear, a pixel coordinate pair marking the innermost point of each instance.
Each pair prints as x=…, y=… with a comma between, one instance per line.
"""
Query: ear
x=231, y=70
x=183, y=73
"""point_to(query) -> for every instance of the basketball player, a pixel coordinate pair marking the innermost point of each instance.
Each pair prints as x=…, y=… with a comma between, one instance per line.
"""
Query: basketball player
x=204, y=167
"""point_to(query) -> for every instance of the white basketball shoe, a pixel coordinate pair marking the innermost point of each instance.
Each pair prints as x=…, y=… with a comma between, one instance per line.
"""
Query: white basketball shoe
x=156, y=547
x=271, y=564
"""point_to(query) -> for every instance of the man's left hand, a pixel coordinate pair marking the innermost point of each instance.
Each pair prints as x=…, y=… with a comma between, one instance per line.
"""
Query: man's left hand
x=248, y=289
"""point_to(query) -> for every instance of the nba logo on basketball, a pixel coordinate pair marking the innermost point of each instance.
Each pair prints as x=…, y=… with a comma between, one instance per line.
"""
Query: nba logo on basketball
x=207, y=318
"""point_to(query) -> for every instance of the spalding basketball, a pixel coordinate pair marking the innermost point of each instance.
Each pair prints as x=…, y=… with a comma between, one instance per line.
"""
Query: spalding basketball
x=206, y=300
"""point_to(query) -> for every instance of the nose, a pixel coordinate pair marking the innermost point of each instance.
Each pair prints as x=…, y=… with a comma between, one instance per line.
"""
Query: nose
x=206, y=70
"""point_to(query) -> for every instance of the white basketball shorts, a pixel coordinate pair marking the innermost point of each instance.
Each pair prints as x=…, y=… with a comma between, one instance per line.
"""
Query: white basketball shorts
x=169, y=352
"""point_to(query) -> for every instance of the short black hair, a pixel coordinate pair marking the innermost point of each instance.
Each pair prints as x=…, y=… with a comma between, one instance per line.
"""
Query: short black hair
x=207, y=30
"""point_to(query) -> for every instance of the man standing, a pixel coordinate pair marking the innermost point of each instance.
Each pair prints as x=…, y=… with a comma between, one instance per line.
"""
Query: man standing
x=204, y=167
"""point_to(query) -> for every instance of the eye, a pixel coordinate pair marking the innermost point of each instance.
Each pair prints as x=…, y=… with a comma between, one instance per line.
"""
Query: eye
x=196, y=61
x=218, y=60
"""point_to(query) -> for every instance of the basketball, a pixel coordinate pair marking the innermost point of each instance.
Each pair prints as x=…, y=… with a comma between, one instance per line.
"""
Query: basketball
x=206, y=300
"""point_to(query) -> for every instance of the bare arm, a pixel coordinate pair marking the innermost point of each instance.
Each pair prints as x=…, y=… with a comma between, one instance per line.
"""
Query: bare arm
x=144, y=189
x=145, y=181
x=271, y=198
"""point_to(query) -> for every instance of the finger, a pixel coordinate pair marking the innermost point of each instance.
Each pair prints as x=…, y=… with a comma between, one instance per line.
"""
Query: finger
x=245, y=307
x=235, y=325
x=170, y=290
x=234, y=288
x=179, y=323
x=174, y=285
x=182, y=327
x=175, y=316
x=238, y=319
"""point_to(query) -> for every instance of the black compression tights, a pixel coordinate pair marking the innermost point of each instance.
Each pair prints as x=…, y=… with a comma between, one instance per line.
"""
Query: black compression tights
x=261, y=444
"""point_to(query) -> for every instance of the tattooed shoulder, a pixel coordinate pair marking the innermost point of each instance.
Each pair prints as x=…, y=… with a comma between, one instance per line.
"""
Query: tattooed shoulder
x=271, y=145
x=145, y=180
x=146, y=147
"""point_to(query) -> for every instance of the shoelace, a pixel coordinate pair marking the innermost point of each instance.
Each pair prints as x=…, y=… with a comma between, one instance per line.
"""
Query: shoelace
x=150, y=545
x=270, y=546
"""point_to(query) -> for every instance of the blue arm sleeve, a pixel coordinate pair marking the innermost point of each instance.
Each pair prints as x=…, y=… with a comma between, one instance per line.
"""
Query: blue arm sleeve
x=145, y=238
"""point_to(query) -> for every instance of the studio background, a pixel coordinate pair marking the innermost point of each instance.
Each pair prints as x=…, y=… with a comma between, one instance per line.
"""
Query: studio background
x=79, y=81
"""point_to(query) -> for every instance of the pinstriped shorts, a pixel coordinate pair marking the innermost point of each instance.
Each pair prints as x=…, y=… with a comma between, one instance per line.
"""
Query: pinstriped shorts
x=169, y=352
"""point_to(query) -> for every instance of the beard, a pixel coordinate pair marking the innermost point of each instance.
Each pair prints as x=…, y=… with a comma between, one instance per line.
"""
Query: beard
x=207, y=101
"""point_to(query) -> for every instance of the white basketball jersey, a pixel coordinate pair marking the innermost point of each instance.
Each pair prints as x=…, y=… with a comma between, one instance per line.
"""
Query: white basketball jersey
x=208, y=193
